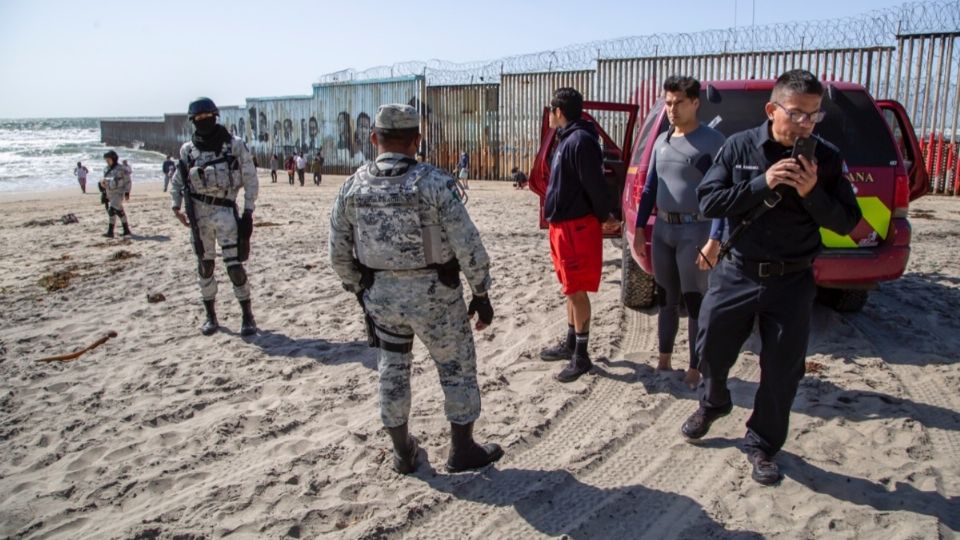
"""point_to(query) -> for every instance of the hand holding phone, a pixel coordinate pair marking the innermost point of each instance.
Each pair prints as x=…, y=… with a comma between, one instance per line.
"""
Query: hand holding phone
x=804, y=147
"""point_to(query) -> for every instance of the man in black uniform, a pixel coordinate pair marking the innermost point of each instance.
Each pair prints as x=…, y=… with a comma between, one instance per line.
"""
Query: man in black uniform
x=768, y=276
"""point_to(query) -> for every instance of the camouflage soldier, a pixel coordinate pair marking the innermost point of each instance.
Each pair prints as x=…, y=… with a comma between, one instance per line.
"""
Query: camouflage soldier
x=398, y=239
x=115, y=186
x=213, y=167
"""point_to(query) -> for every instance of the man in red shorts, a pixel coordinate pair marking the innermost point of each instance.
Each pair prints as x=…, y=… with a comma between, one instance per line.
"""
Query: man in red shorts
x=578, y=209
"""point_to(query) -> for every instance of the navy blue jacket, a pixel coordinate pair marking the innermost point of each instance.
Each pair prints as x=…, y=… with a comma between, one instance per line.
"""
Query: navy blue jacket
x=789, y=232
x=577, y=188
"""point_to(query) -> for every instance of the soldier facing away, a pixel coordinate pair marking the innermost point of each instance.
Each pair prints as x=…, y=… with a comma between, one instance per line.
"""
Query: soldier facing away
x=398, y=239
x=213, y=167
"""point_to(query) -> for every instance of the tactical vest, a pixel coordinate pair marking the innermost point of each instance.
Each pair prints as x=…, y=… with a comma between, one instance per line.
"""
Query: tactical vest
x=212, y=174
x=389, y=234
x=114, y=176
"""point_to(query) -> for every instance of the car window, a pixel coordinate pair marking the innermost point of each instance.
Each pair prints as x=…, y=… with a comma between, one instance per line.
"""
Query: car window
x=852, y=122
x=891, y=118
x=643, y=137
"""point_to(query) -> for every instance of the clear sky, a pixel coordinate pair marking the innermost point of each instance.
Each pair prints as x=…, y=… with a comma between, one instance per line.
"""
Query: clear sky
x=137, y=58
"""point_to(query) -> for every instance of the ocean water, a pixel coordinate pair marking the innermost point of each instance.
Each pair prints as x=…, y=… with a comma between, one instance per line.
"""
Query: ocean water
x=41, y=153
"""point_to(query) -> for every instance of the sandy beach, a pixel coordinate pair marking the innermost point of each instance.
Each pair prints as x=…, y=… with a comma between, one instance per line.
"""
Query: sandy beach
x=164, y=433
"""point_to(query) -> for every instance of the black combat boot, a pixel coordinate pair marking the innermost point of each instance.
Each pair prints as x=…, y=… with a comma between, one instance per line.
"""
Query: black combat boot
x=466, y=454
x=248, y=326
x=126, y=230
x=211, y=325
x=405, y=449
x=109, y=233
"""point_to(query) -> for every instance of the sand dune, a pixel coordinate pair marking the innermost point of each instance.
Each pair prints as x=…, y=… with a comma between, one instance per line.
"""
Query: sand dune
x=164, y=433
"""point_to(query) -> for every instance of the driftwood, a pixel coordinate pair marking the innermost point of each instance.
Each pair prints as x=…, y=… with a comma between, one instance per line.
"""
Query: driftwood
x=76, y=354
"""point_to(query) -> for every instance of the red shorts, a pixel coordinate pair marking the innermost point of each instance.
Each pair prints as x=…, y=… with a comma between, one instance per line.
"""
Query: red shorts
x=576, y=246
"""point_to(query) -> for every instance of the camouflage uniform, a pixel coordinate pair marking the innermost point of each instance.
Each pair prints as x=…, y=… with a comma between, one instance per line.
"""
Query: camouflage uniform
x=116, y=181
x=406, y=299
x=216, y=223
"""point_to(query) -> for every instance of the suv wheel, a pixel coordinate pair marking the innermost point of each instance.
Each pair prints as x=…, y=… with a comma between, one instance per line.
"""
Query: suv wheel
x=637, y=288
x=842, y=300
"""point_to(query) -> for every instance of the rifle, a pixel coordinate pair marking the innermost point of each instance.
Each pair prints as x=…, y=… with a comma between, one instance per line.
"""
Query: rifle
x=366, y=281
x=184, y=170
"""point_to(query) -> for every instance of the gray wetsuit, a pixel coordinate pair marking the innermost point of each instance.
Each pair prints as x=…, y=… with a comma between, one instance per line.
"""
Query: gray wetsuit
x=678, y=165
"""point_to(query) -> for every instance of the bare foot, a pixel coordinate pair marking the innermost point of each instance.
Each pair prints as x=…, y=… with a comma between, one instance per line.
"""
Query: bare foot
x=663, y=362
x=692, y=378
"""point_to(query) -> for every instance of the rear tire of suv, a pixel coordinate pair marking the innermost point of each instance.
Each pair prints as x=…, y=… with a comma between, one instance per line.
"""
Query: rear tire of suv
x=636, y=286
x=843, y=300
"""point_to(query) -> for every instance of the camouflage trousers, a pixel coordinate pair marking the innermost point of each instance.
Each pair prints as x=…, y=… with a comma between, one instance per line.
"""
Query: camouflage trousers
x=115, y=199
x=218, y=225
x=404, y=304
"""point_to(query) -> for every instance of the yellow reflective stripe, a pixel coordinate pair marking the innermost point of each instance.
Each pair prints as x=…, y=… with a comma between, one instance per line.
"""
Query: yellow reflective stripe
x=876, y=214
x=833, y=240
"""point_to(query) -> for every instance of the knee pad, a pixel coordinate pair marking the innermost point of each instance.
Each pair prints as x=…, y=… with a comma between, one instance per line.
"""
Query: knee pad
x=111, y=211
x=692, y=301
x=121, y=213
x=205, y=269
x=237, y=275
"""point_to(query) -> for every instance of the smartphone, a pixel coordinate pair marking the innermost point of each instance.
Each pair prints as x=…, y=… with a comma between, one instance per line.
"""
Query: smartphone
x=805, y=148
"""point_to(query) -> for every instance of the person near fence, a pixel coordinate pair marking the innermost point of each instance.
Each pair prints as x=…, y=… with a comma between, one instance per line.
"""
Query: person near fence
x=317, y=168
x=683, y=246
x=274, y=165
x=301, y=167
x=578, y=210
x=168, y=168
x=768, y=278
x=115, y=186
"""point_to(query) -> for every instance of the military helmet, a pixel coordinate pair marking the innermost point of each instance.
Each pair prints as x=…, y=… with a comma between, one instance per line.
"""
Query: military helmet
x=202, y=105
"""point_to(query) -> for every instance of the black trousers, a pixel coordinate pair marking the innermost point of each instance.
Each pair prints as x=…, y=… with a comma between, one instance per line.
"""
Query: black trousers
x=735, y=299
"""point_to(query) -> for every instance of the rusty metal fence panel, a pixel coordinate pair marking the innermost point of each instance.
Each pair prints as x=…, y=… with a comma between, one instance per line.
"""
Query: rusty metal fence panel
x=925, y=82
x=522, y=99
x=464, y=119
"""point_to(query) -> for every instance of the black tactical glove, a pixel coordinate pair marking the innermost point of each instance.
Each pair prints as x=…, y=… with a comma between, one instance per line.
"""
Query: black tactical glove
x=481, y=306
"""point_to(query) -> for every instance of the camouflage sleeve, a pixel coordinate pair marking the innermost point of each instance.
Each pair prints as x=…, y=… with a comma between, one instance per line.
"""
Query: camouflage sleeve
x=176, y=183
x=341, y=240
x=463, y=235
x=251, y=183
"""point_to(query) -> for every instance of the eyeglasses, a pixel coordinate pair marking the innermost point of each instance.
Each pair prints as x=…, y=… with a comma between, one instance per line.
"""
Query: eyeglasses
x=798, y=117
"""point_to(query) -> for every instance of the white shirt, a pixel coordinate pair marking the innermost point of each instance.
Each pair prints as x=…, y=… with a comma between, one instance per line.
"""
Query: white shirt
x=301, y=163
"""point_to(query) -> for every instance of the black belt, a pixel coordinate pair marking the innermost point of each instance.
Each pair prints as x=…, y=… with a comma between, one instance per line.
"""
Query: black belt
x=216, y=201
x=765, y=269
x=675, y=218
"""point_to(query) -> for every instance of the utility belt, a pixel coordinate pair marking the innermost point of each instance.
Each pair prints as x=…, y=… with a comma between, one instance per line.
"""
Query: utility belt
x=448, y=273
x=767, y=269
x=215, y=201
x=676, y=218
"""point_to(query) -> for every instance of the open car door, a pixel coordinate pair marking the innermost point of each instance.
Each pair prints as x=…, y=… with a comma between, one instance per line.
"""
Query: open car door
x=906, y=139
x=615, y=123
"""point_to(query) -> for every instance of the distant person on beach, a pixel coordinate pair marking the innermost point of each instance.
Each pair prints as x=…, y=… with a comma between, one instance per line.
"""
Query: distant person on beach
x=317, y=169
x=214, y=167
x=301, y=168
x=129, y=169
x=290, y=166
x=274, y=165
x=401, y=260
x=519, y=178
x=81, y=173
x=169, y=167
x=463, y=169
x=116, y=186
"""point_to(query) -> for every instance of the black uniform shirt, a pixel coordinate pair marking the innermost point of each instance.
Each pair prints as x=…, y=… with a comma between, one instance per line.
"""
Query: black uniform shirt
x=789, y=232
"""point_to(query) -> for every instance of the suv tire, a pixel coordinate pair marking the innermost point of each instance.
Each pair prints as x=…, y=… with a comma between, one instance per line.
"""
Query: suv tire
x=843, y=300
x=637, y=288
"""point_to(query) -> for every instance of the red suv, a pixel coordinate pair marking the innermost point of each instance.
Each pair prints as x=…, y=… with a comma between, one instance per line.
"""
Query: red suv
x=875, y=138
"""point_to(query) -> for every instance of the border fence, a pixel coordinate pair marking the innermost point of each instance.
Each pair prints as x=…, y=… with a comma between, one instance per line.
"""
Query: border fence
x=492, y=110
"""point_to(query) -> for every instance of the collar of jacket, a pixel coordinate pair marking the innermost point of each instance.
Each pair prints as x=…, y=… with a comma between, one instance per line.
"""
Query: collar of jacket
x=576, y=125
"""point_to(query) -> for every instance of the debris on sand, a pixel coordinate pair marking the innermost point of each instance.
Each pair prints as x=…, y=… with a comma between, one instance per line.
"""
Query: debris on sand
x=123, y=255
x=154, y=298
x=57, y=280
